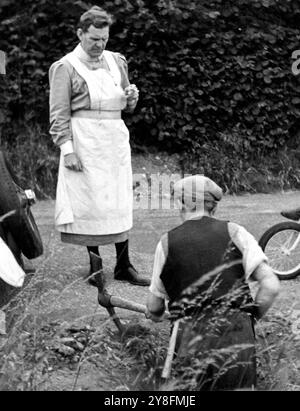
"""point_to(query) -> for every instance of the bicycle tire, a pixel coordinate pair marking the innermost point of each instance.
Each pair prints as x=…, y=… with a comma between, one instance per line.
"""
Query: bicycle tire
x=269, y=235
x=22, y=224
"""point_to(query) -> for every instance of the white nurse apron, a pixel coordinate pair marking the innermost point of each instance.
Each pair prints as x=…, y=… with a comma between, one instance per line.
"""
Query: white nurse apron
x=98, y=200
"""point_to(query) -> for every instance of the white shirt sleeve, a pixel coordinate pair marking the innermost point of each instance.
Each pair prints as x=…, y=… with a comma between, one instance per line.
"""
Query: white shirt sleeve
x=156, y=287
x=251, y=251
x=67, y=147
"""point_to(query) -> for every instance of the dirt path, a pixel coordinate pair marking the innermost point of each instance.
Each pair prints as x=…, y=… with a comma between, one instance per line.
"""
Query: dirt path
x=255, y=212
x=65, y=298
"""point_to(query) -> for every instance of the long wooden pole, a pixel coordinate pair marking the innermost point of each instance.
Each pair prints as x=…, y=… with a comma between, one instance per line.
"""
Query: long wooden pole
x=171, y=350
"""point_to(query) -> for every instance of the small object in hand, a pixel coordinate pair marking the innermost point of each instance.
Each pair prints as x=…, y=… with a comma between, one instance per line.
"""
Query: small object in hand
x=132, y=91
x=129, y=93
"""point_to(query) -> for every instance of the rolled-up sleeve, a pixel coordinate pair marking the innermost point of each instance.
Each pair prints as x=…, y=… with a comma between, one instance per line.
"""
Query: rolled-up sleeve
x=251, y=251
x=123, y=67
x=60, y=103
x=156, y=287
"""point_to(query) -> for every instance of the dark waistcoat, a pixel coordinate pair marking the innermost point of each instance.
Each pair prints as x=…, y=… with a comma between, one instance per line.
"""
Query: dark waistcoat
x=195, y=248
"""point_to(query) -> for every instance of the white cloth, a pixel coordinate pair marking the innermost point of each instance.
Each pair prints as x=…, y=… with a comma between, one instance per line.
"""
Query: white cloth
x=252, y=254
x=10, y=271
x=98, y=200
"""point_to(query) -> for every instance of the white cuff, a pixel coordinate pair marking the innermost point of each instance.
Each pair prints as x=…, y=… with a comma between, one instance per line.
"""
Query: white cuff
x=67, y=147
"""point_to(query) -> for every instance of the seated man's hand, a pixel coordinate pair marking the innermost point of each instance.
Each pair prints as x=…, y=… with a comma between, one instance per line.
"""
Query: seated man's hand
x=72, y=162
x=155, y=308
x=154, y=317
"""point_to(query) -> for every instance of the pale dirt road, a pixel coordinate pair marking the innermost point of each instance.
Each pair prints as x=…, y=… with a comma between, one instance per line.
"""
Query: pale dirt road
x=67, y=263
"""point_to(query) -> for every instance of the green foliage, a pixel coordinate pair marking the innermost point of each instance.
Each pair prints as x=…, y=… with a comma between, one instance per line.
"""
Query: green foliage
x=213, y=75
x=237, y=170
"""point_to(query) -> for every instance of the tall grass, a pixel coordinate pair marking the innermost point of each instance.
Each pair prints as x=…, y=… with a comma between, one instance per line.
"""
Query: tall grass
x=34, y=160
x=37, y=348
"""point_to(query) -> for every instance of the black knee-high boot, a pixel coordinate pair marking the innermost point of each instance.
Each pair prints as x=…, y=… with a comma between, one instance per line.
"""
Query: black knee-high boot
x=94, y=265
x=124, y=270
x=94, y=250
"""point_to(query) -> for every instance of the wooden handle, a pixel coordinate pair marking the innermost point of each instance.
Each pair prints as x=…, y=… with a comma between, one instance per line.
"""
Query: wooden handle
x=171, y=349
x=128, y=305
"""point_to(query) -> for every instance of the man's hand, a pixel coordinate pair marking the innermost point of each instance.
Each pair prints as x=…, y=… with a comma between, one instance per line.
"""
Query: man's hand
x=151, y=316
x=72, y=162
x=268, y=289
x=155, y=308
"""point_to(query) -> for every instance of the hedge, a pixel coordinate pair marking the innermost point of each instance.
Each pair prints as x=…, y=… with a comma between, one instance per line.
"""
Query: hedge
x=215, y=77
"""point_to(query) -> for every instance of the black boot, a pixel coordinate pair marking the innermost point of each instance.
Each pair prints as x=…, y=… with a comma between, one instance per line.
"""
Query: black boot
x=131, y=275
x=95, y=265
x=124, y=270
x=292, y=214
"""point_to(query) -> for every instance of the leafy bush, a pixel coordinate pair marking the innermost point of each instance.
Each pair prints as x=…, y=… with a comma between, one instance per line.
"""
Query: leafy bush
x=205, y=70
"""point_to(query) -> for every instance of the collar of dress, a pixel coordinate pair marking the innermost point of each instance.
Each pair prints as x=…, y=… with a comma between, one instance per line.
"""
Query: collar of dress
x=82, y=55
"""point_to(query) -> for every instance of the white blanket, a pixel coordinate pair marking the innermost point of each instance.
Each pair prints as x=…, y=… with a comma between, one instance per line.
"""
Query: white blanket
x=10, y=271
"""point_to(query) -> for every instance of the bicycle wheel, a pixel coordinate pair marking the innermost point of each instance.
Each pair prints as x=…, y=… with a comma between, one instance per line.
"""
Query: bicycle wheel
x=281, y=244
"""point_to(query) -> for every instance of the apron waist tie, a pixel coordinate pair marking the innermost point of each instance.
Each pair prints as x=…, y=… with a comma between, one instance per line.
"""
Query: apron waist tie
x=101, y=115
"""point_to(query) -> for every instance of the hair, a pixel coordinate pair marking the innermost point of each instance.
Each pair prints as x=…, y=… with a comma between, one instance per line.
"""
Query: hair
x=95, y=16
x=209, y=205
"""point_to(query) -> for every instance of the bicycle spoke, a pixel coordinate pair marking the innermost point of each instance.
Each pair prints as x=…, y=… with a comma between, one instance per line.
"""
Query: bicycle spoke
x=282, y=255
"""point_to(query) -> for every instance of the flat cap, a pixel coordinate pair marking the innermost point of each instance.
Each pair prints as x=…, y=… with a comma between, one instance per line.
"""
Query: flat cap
x=194, y=190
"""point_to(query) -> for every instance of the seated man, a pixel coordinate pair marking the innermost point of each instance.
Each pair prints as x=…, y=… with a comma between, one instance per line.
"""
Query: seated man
x=192, y=253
